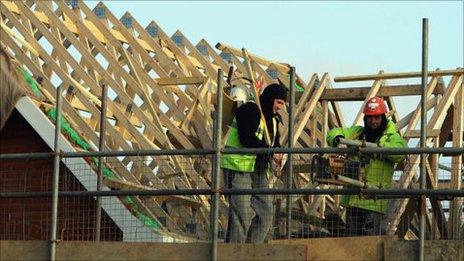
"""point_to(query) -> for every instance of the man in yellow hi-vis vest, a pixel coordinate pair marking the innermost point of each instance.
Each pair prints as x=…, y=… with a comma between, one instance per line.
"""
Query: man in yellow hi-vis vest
x=365, y=216
x=250, y=216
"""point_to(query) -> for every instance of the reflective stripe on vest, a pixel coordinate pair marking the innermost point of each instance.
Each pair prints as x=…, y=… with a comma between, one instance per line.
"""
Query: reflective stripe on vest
x=240, y=162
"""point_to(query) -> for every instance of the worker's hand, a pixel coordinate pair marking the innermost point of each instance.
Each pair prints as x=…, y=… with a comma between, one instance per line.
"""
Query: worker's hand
x=336, y=140
x=276, y=168
x=277, y=158
x=343, y=146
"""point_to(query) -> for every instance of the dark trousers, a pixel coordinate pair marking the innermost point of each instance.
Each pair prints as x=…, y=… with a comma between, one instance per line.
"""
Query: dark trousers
x=362, y=222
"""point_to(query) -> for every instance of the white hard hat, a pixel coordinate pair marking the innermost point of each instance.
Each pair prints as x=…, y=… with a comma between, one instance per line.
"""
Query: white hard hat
x=239, y=94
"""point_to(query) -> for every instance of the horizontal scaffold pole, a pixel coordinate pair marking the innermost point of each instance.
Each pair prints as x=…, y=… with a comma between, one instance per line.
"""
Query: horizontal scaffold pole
x=371, y=192
x=169, y=152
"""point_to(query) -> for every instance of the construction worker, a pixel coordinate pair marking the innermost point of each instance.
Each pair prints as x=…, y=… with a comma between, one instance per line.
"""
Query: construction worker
x=250, y=216
x=364, y=216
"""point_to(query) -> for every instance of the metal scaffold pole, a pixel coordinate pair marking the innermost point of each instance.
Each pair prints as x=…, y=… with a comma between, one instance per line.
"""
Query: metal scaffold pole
x=217, y=128
x=56, y=176
x=423, y=133
x=290, y=145
x=101, y=147
x=307, y=150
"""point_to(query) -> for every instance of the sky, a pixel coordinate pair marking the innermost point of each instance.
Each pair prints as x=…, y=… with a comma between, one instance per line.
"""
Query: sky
x=342, y=38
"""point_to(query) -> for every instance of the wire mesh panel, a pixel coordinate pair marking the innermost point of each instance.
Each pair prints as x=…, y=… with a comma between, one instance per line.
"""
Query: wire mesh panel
x=29, y=218
x=153, y=218
x=248, y=218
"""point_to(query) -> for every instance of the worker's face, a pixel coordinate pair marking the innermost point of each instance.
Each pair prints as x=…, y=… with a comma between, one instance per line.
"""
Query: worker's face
x=374, y=121
x=278, y=104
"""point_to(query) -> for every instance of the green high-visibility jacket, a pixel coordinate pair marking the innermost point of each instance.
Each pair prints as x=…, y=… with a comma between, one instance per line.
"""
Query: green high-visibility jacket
x=378, y=170
x=240, y=162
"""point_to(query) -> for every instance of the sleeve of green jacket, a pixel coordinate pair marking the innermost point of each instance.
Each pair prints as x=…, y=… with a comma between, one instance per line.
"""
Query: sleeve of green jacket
x=350, y=133
x=393, y=141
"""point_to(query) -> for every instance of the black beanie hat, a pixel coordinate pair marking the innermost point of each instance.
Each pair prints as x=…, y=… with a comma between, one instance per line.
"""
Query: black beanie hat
x=275, y=91
x=270, y=93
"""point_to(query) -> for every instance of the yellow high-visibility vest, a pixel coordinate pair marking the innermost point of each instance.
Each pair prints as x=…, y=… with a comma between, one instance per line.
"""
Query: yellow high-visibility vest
x=240, y=162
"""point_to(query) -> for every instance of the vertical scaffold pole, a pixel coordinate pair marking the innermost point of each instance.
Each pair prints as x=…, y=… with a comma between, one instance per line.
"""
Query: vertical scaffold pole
x=423, y=132
x=101, y=147
x=56, y=176
x=217, y=128
x=290, y=145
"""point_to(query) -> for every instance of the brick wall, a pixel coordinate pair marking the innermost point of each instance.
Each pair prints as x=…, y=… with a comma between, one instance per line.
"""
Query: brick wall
x=30, y=218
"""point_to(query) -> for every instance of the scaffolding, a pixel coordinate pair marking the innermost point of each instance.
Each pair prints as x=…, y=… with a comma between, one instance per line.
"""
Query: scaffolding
x=150, y=101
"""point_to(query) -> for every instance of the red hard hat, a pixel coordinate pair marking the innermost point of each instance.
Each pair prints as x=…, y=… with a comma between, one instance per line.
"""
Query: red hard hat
x=375, y=106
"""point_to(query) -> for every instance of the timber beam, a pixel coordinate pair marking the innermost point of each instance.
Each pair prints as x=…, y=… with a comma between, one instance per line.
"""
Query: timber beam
x=360, y=93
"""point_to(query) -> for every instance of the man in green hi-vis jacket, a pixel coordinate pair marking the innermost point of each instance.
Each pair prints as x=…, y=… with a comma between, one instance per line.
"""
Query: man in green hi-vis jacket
x=364, y=216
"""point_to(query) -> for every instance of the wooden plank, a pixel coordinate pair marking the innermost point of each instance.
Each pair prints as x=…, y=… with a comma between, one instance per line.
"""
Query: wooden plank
x=251, y=76
x=438, y=214
x=313, y=81
x=325, y=122
x=434, y=163
x=311, y=106
x=416, y=133
x=124, y=185
x=283, y=68
x=433, y=250
x=86, y=250
x=18, y=38
x=455, y=218
x=337, y=116
x=393, y=110
x=181, y=81
x=455, y=72
x=447, y=126
x=359, y=93
x=343, y=248
x=438, y=118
